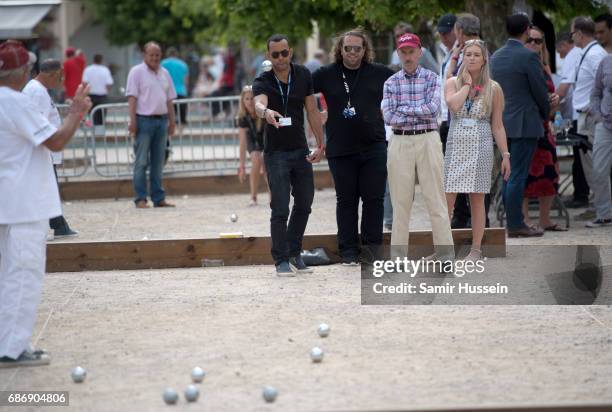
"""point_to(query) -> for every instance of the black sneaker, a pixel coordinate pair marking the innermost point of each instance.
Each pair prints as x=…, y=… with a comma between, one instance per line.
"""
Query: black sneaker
x=599, y=223
x=350, y=261
x=27, y=358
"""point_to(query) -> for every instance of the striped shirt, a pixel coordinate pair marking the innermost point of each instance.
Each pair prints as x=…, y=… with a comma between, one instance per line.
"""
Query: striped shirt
x=411, y=101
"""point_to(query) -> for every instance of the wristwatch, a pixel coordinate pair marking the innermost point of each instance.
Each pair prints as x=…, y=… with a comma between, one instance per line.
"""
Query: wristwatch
x=264, y=113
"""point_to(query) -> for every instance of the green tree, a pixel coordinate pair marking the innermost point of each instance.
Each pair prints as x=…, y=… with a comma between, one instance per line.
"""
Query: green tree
x=138, y=21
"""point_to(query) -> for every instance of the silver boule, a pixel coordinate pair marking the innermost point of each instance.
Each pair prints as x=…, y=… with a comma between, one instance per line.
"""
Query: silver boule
x=323, y=330
x=234, y=217
x=170, y=396
x=266, y=65
x=316, y=354
x=270, y=393
x=192, y=393
x=78, y=374
x=197, y=374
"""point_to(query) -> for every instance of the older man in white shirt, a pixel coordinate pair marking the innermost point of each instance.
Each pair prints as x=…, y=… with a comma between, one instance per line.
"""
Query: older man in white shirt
x=50, y=76
x=26, y=137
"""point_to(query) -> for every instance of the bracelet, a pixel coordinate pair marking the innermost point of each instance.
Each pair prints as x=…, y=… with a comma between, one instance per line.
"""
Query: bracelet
x=506, y=154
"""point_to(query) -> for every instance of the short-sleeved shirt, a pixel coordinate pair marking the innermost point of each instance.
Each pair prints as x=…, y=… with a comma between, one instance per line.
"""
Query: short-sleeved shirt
x=254, y=134
x=151, y=89
x=27, y=181
x=292, y=137
x=42, y=100
x=367, y=129
x=178, y=70
x=99, y=78
x=568, y=76
x=591, y=56
x=73, y=75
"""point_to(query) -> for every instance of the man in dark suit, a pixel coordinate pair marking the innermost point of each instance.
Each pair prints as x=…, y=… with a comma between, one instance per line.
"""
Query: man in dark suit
x=519, y=72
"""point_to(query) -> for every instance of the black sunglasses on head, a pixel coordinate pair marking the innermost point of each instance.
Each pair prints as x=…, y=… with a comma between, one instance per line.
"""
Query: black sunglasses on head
x=356, y=49
x=536, y=41
x=276, y=54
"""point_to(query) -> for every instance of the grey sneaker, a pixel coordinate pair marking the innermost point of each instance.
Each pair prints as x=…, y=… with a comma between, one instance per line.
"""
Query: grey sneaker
x=298, y=265
x=599, y=223
x=27, y=358
x=284, y=269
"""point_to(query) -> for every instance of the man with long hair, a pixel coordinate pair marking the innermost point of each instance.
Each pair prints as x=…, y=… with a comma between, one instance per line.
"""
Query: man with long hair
x=356, y=145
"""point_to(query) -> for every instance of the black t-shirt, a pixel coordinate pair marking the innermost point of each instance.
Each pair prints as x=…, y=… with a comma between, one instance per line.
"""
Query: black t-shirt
x=254, y=133
x=367, y=129
x=292, y=137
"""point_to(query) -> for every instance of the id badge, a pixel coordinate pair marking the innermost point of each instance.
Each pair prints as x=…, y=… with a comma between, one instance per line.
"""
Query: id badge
x=468, y=122
x=284, y=121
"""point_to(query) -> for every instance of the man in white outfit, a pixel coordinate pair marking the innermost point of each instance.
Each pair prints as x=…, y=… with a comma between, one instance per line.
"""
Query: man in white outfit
x=50, y=76
x=26, y=173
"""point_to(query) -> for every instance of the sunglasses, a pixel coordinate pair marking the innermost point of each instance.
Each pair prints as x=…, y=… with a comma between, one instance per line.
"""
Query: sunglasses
x=356, y=49
x=536, y=41
x=284, y=53
x=475, y=41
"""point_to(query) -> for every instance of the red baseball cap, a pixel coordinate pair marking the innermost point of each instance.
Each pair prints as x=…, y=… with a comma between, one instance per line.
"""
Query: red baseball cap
x=408, y=40
x=13, y=55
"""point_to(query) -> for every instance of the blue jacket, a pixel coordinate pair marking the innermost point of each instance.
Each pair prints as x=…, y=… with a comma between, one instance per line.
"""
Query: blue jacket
x=520, y=74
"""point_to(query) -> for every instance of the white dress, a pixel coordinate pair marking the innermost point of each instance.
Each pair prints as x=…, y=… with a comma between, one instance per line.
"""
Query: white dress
x=468, y=161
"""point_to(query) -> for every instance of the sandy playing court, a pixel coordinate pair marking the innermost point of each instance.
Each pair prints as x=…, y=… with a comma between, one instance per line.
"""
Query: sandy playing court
x=137, y=332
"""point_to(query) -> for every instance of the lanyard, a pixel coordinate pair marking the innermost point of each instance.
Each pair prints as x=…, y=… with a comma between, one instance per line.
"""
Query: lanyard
x=582, y=59
x=346, y=86
x=283, y=97
x=469, y=102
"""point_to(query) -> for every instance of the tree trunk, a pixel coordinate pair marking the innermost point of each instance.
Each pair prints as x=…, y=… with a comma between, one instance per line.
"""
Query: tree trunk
x=492, y=16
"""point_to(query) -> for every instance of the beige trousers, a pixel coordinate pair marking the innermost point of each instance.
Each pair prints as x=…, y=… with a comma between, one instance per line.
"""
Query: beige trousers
x=411, y=156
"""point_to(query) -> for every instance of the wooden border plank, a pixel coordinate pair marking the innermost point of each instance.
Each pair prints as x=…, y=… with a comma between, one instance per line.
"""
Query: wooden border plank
x=183, y=253
x=174, y=186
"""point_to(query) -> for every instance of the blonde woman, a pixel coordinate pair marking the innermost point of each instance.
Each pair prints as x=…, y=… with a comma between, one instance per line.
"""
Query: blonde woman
x=250, y=132
x=476, y=103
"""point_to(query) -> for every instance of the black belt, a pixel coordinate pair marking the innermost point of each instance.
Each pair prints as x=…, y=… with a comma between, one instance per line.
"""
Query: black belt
x=153, y=116
x=413, y=132
x=581, y=111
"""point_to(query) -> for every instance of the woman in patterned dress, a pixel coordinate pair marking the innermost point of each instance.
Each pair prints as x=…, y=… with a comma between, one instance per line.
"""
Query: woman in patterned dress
x=543, y=180
x=476, y=103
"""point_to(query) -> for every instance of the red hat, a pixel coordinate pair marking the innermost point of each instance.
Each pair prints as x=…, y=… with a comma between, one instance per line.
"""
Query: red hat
x=70, y=52
x=13, y=55
x=408, y=40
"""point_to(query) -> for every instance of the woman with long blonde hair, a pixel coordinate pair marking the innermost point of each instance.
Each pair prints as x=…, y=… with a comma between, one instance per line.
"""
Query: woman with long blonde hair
x=476, y=103
x=250, y=133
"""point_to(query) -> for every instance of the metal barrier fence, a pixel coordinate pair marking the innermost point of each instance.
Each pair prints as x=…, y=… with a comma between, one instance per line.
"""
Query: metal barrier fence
x=205, y=140
x=77, y=153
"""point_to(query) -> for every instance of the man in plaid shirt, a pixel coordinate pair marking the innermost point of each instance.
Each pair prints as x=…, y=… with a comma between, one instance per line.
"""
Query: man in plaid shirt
x=410, y=105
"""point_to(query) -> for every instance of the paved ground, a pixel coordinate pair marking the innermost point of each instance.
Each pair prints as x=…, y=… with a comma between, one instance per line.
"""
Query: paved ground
x=207, y=216
x=137, y=332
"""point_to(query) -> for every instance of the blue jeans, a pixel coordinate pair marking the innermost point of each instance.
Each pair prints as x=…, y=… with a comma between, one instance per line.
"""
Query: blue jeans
x=359, y=176
x=521, y=153
x=150, y=149
x=289, y=174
